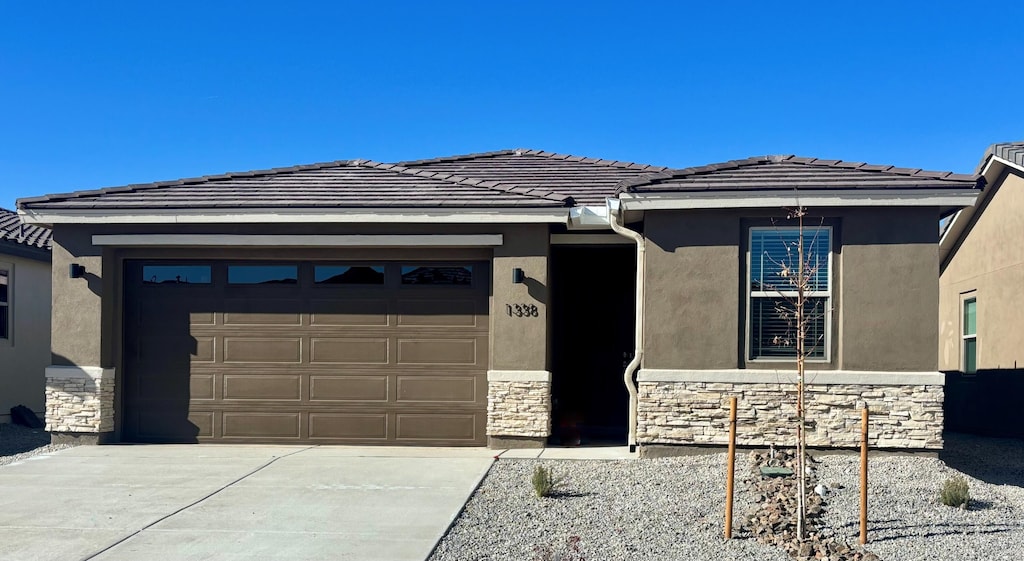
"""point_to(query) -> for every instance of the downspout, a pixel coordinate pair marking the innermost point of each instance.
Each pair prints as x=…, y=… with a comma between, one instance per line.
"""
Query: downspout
x=617, y=222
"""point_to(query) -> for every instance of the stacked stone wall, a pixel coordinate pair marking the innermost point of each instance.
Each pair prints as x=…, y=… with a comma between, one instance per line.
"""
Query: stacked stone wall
x=901, y=416
x=519, y=409
x=80, y=404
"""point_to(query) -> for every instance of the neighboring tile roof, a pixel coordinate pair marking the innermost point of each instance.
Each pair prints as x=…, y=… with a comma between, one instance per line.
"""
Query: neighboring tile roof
x=1012, y=152
x=13, y=230
x=792, y=172
x=341, y=184
x=588, y=181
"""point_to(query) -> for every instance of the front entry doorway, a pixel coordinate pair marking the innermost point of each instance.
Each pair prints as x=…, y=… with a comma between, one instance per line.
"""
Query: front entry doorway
x=593, y=303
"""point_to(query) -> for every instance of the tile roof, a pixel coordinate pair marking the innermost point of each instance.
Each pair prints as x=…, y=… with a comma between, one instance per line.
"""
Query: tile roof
x=341, y=184
x=588, y=181
x=793, y=172
x=1012, y=152
x=13, y=230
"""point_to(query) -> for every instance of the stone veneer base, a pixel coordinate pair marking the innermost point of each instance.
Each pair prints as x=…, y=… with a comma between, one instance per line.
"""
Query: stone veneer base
x=81, y=438
x=697, y=413
x=517, y=442
x=79, y=399
x=676, y=450
x=519, y=405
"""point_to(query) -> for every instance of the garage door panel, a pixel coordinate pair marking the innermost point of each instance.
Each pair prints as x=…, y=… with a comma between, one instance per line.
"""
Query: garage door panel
x=436, y=426
x=257, y=425
x=201, y=386
x=349, y=350
x=368, y=426
x=349, y=388
x=437, y=351
x=350, y=312
x=263, y=349
x=205, y=349
x=438, y=313
x=305, y=362
x=439, y=389
x=263, y=387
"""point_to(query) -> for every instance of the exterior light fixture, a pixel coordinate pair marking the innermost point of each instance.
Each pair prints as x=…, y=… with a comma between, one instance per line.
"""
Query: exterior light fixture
x=518, y=276
x=76, y=271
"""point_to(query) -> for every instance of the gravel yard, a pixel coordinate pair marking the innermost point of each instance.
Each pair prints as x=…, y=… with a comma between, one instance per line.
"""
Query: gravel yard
x=18, y=442
x=672, y=509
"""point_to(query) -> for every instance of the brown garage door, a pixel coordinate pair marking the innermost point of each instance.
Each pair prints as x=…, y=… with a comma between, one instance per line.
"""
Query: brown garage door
x=368, y=353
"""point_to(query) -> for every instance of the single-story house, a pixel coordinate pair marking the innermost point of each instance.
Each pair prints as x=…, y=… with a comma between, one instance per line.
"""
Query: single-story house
x=24, y=313
x=981, y=285
x=510, y=298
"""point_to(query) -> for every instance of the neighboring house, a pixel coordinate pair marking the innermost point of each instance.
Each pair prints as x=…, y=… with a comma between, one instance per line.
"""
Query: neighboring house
x=981, y=285
x=24, y=313
x=491, y=299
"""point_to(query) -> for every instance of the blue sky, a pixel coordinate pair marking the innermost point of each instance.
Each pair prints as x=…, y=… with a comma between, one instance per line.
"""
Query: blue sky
x=97, y=94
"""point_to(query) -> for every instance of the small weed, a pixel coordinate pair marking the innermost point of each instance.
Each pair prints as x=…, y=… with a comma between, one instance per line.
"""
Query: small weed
x=955, y=492
x=544, y=481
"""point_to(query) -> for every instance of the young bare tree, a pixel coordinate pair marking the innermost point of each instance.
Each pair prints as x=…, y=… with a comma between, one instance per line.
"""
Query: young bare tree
x=800, y=271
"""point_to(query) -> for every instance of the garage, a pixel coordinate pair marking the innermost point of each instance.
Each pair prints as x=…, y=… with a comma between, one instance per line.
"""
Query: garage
x=305, y=352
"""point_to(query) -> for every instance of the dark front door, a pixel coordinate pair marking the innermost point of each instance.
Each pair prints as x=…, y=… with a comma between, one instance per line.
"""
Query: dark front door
x=592, y=318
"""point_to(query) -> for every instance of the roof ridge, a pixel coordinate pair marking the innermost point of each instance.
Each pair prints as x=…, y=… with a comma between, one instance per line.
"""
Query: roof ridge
x=467, y=181
x=534, y=152
x=646, y=179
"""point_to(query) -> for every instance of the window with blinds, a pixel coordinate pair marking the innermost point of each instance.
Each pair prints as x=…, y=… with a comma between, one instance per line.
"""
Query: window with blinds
x=774, y=273
x=5, y=303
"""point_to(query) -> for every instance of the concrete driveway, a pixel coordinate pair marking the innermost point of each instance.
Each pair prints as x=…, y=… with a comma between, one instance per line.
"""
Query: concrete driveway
x=185, y=502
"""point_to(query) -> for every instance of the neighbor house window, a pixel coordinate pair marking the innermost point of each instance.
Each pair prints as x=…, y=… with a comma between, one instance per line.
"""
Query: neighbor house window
x=970, y=336
x=772, y=289
x=5, y=304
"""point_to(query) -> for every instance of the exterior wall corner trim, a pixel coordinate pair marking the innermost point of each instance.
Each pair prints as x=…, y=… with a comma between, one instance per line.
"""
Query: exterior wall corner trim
x=518, y=376
x=815, y=377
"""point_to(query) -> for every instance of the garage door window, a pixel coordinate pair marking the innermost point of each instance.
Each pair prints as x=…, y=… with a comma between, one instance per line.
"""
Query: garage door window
x=175, y=274
x=437, y=276
x=263, y=274
x=354, y=274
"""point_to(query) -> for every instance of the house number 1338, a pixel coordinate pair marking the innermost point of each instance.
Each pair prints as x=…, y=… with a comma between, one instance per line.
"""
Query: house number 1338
x=522, y=310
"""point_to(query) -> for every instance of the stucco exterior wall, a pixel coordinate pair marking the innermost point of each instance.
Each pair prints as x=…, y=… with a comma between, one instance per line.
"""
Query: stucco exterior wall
x=87, y=311
x=885, y=288
x=692, y=304
x=26, y=354
x=989, y=265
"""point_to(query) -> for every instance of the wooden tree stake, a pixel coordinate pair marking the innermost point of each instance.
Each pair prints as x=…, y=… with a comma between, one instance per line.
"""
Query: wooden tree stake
x=731, y=468
x=864, y=476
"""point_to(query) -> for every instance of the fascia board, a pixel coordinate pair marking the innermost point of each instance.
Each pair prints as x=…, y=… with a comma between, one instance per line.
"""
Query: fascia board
x=235, y=240
x=776, y=199
x=291, y=216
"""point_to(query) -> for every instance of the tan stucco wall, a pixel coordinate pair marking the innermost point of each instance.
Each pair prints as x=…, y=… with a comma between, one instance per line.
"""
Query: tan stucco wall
x=989, y=262
x=692, y=302
x=885, y=266
x=24, y=357
x=77, y=318
x=889, y=289
x=84, y=326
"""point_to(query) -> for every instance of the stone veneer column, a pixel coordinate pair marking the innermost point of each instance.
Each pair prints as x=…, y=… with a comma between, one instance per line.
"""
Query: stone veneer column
x=906, y=408
x=79, y=403
x=518, y=408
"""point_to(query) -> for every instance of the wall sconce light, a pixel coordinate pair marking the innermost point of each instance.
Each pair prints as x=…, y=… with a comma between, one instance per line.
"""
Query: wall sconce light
x=76, y=271
x=518, y=276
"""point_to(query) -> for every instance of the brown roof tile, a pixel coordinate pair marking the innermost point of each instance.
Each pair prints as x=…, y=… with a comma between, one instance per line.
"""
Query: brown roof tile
x=587, y=180
x=792, y=172
x=342, y=184
x=13, y=230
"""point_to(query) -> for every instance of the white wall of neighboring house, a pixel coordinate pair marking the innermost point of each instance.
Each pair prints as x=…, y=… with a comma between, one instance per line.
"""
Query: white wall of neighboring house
x=25, y=354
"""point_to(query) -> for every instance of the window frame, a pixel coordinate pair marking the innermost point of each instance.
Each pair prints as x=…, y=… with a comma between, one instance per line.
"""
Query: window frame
x=965, y=299
x=8, y=338
x=350, y=286
x=828, y=295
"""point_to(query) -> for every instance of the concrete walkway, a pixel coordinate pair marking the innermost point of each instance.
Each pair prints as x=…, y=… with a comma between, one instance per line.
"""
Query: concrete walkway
x=184, y=502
